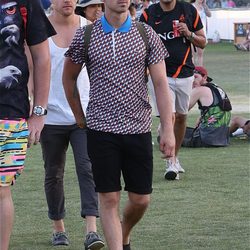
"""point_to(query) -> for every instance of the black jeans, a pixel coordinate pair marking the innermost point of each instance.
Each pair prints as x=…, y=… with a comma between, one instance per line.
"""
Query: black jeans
x=55, y=140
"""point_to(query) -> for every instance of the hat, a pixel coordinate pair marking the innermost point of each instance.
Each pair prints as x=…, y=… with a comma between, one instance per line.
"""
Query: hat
x=202, y=71
x=85, y=3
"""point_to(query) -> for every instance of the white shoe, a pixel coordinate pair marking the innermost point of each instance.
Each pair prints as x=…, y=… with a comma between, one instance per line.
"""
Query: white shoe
x=177, y=178
x=179, y=167
x=172, y=173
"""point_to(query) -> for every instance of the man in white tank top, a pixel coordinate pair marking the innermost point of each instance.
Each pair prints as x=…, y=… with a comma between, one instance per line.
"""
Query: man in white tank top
x=61, y=129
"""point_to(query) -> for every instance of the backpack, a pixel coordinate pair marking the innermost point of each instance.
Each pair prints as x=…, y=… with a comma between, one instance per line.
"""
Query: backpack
x=223, y=100
x=87, y=36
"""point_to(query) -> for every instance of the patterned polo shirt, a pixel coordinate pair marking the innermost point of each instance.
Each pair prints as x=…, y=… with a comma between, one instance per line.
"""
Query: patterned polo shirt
x=118, y=101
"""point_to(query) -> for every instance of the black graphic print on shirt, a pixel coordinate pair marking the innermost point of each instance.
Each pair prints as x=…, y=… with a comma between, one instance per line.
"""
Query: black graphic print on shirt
x=11, y=20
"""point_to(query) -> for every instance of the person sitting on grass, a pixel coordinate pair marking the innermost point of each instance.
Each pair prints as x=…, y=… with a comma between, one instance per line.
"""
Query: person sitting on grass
x=212, y=128
x=240, y=126
x=245, y=45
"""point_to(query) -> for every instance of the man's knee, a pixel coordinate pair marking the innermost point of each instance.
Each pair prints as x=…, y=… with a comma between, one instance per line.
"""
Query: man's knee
x=5, y=192
x=139, y=201
x=109, y=200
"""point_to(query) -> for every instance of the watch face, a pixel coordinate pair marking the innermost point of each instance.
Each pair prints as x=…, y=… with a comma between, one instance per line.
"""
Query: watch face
x=39, y=110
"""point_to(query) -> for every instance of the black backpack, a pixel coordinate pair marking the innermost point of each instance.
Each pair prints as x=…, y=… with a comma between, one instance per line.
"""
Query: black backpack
x=223, y=100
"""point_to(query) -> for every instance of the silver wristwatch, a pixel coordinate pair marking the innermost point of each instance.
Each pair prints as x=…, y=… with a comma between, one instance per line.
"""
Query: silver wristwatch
x=39, y=111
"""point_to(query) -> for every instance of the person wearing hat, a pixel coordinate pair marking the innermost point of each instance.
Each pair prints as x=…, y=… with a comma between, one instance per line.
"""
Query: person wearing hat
x=90, y=9
x=212, y=128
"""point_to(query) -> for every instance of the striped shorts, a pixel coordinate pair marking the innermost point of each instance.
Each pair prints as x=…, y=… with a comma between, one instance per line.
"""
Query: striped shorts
x=13, y=148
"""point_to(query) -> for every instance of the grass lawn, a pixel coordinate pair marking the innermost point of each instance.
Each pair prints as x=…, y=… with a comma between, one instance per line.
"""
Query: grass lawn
x=208, y=209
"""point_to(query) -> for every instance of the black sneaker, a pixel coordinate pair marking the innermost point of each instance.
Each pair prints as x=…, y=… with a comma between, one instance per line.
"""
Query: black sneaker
x=237, y=46
x=60, y=239
x=93, y=241
x=126, y=247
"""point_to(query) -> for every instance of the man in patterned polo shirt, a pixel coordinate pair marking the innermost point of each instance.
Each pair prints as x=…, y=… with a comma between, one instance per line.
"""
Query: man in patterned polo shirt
x=119, y=114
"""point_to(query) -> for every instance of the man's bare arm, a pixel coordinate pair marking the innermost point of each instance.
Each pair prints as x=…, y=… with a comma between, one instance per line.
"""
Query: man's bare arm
x=41, y=77
x=69, y=78
x=164, y=104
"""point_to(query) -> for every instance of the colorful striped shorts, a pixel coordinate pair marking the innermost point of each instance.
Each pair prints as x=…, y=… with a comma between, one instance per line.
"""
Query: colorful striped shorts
x=13, y=148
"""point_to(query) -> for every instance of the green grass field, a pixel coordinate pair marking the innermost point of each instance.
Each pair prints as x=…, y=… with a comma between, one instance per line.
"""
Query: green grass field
x=208, y=209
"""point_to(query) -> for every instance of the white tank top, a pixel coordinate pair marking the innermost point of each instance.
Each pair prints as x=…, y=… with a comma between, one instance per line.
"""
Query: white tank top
x=59, y=111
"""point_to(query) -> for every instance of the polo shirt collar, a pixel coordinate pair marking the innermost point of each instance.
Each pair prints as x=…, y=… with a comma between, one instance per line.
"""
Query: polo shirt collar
x=107, y=28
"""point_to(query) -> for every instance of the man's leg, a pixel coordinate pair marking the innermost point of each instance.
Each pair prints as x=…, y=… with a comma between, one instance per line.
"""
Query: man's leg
x=181, y=89
x=89, y=199
x=237, y=122
x=17, y=134
x=179, y=130
x=90, y=224
x=133, y=212
x=110, y=219
x=6, y=217
x=58, y=225
x=54, y=142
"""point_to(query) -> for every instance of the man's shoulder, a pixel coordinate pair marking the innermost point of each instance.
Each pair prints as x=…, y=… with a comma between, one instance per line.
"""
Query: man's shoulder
x=201, y=90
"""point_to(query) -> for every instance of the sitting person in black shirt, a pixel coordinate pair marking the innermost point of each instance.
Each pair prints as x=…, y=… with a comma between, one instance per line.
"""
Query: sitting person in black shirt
x=212, y=128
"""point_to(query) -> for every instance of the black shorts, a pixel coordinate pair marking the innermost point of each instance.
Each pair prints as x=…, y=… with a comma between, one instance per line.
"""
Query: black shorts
x=113, y=154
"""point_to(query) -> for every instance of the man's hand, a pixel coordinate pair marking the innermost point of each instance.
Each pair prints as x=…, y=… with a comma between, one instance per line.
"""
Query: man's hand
x=81, y=122
x=35, y=125
x=167, y=144
x=183, y=29
x=99, y=14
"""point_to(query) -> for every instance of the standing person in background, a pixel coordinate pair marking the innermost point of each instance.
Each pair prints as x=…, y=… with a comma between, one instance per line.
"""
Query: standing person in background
x=132, y=11
x=17, y=128
x=144, y=5
x=61, y=129
x=210, y=3
x=231, y=4
x=119, y=114
x=179, y=64
x=204, y=12
x=90, y=9
x=220, y=4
